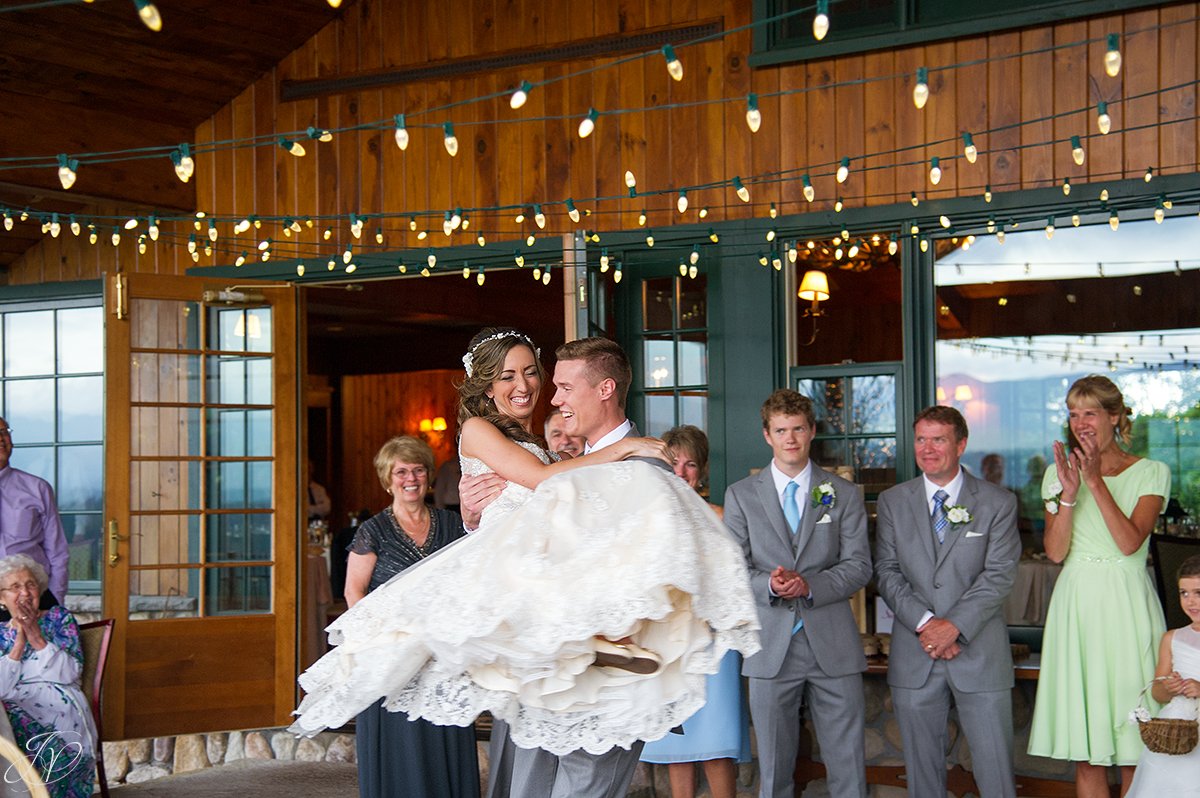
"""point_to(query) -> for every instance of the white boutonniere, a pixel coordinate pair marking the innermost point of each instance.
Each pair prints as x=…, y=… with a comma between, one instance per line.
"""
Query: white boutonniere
x=957, y=514
x=824, y=495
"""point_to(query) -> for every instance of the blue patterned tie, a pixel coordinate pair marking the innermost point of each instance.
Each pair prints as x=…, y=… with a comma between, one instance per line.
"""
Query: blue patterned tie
x=791, y=512
x=940, y=521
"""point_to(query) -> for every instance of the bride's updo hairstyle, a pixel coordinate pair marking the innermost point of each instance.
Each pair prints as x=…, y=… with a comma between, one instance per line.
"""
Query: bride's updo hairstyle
x=483, y=363
x=1097, y=391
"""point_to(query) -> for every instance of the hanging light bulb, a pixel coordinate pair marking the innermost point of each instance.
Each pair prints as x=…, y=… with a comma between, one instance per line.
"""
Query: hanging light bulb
x=294, y=147
x=1112, y=56
x=1159, y=212
x=809, y=192
x=241, y=259
x=935, y=170
x=149, y=15
x=378, y=235
x=54, y=227
x=843, y=171
x=74, y=225
x=93, y=235
x=793, y=254
x=518, y=99
x=921, y=90
x=1103, y=120
x=466, y=271
x=320, y=134
x=969, y=149
x=208, y=250
x=191, y=244
x=642, y=218
x=447, y=225
x=693, y=270
x=712, y=236
x=116, y=236
x=702, y=213
x=1104, y=195
x=1149, y=174
x=588, y=124
x=753, y=115
x=821, y=20
x=401, y=135
x=617, y=273
x=991, y=224
x=1050, y=228
x=299, y=269
x=987, y=193
x=1000, y=235
x=539, y=218
x=924, y=244
x=1114, y=221
x=674, y=67
x=537, y=274
x=530, y=239
x=1076, y=151
x=356, y=225
x=893, y=247
x=481, y=240
x=762, y=259
x=131, y=223
x=944, y=221
x=518, y=258
x=681, y=204
x=630, y=180
x=776, y=261
x=1066, y=187
x=912, y=197
x=479, y=278
x=546, y=276
x=572, y=211
x=66, y=171
x=449, y=139
x=771, y=234
x=837, y=205
x=773, y=212
x=743, y=193
x=431, y=258
x=184, y=165
x=604, y=260
x=683, y=267
x=650, y=238
x=1075, y=219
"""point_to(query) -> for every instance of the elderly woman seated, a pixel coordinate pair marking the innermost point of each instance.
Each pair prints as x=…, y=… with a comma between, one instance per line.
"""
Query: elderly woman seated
x=40, y=666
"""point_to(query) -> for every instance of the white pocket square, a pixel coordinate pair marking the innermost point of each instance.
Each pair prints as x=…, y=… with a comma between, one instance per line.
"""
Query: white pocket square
x=825, y=520
x=975, y=534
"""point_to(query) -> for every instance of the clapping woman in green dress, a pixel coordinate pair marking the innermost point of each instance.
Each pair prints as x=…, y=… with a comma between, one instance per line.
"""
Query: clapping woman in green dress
x=1104, y=619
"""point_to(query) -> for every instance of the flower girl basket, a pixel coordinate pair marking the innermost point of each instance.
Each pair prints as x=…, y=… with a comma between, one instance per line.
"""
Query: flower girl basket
x=1165, y=735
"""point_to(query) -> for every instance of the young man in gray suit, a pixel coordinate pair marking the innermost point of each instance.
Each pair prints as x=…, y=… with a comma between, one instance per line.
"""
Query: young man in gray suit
x=804, y=535
x=946, y=554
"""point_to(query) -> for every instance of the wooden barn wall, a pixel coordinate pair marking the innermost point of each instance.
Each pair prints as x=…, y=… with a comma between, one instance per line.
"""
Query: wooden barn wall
x=535, y=161
x=377, y=406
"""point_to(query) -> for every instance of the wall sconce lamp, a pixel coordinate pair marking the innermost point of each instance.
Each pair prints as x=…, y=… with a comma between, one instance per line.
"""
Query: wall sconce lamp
x=814, y=287
x=433, y=424
x=963, y=393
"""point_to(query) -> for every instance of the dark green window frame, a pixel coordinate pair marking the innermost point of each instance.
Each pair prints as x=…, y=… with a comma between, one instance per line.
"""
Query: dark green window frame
x=910, y=22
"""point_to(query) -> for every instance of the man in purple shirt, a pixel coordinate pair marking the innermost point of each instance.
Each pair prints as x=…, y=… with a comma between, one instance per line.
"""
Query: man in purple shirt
x=29, y=521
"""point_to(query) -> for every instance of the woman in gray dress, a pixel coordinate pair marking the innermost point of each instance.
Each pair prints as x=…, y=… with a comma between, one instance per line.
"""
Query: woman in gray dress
x=398, y=756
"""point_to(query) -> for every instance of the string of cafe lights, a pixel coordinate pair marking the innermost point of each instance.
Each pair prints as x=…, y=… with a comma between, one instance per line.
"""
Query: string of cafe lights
x=1104, y=350
x=147, y=12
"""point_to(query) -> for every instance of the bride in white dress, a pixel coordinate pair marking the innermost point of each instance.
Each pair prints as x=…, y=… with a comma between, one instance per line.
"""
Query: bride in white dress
x=517, y=618
x=1177, y=684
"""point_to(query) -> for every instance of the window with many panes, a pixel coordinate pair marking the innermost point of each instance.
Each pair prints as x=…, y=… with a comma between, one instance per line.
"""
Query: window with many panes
x=52, y=396
x=670, y=357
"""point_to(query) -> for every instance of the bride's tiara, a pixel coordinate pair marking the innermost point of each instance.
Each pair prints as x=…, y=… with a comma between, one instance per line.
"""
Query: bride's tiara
x=468, y=360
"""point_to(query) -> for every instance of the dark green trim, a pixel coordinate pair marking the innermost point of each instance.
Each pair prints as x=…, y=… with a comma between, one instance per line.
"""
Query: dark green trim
x=35, y=292
x=769, y=52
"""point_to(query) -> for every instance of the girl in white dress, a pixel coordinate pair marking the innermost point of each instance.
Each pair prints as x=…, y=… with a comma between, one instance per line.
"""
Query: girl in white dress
x=520, y=618
x=1177, y=684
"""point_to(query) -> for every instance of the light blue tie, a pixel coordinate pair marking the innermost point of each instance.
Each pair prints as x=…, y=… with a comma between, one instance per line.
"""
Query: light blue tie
x=791, y=511
x=940, y=521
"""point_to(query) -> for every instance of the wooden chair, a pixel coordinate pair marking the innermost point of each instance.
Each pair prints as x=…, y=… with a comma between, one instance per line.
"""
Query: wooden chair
x=12, y=753
x=95, y=637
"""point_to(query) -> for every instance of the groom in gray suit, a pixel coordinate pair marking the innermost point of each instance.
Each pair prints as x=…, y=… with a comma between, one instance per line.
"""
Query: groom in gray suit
x=804, y=535
x=591, y=380
x=946, y=554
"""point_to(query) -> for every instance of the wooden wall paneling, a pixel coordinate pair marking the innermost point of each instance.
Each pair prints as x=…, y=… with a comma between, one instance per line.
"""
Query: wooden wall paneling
x=558, y=134
x=940, y=122
x=462, y=169
x=821, y=133
x=1140, y=51
x=581, y=153
x=1106, y=154
x=709, y=141
x=766, y=146
x=606, y=144
x=738, y=80
x=370, y=109
x=881, y=99
x=533, y=146
x=680, y=127
x=849, y=126
x=639, y=87
x=508, y=157
x=267, y=160
x=325, y=62
x=1177, y=142
x=971, y=110
x=1070, y=92
x=1004, y=108
x=910, y=126
x=239, y=194
x=350, y=195
x=1037, y=101
x=206, y=176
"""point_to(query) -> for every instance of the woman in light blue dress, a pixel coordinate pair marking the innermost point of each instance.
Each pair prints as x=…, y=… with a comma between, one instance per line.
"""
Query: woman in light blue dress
x=718, y=735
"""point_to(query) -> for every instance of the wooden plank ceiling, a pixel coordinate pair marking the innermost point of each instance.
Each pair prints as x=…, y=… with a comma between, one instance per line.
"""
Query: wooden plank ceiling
x=92, y=78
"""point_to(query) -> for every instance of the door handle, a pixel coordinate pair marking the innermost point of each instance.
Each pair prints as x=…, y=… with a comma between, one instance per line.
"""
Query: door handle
x=114, y=540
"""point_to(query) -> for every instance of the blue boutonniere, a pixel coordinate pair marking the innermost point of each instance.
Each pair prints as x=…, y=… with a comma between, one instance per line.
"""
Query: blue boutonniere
x=824, y=495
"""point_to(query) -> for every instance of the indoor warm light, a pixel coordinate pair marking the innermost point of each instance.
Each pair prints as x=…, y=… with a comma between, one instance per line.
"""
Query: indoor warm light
x=963, y=393
x=814, y=287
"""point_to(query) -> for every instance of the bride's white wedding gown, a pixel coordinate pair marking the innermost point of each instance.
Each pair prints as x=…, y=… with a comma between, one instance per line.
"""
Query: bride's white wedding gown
x=505, y=619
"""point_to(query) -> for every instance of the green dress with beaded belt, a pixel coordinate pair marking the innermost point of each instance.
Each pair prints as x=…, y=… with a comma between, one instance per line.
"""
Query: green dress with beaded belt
x=1102, y=631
